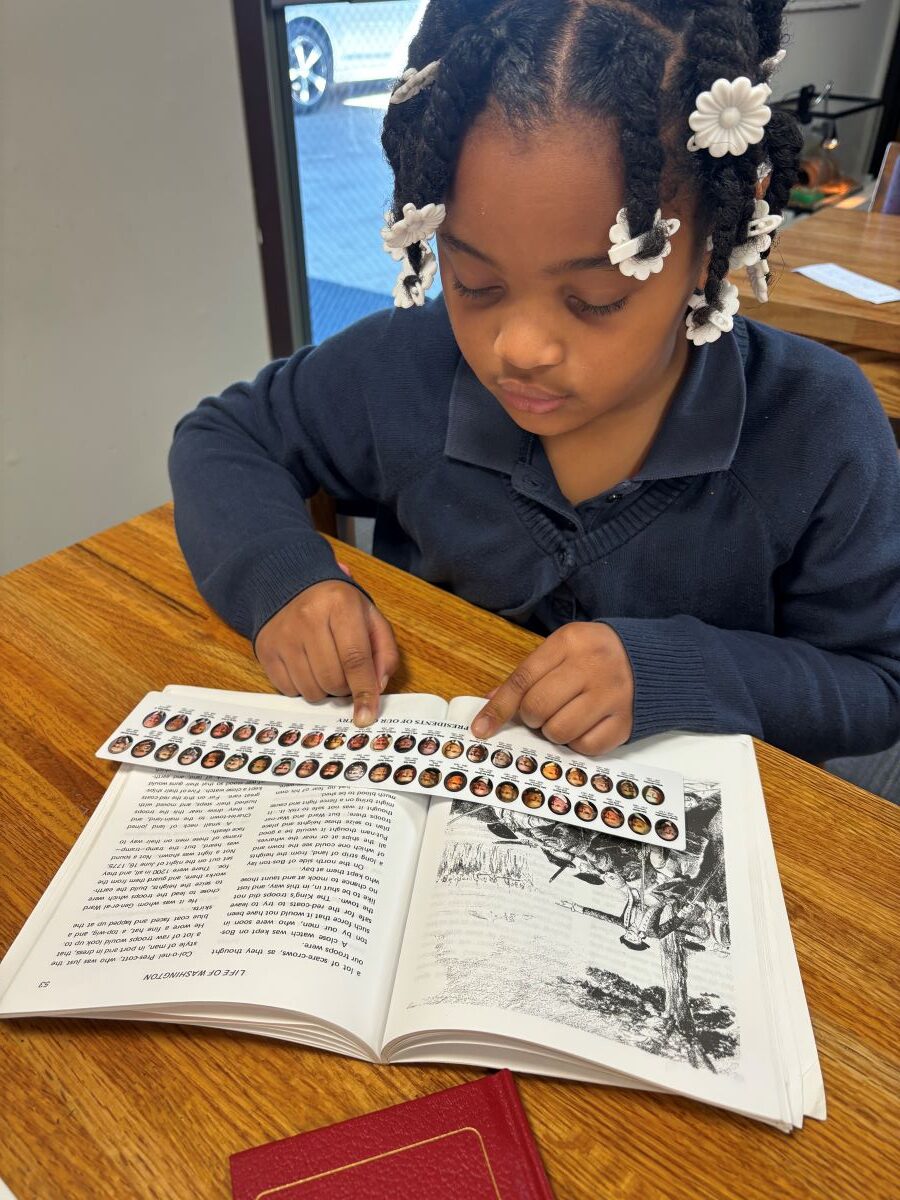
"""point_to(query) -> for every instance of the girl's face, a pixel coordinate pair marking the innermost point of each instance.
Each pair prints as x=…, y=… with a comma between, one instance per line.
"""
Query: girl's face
x=564, y=341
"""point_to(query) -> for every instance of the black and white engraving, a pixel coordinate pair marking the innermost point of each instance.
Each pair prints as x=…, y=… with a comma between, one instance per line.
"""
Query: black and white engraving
x=625, y=941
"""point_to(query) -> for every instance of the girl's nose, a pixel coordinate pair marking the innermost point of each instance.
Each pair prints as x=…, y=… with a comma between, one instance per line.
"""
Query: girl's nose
x=525, y=344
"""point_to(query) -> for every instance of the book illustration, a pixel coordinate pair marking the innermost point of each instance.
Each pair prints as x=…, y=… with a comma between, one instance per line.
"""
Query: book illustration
x=626, y=941
x=471, y=860
x=402, y=753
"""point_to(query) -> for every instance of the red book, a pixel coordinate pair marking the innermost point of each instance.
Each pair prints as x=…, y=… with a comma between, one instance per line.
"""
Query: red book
x=471, y=1141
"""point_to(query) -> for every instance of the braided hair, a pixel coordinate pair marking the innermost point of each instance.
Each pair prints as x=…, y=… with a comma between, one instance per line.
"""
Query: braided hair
x=640, y=62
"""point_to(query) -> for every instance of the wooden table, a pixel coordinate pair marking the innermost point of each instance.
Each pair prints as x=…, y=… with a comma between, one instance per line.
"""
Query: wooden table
x=98, y=1110
x=868, y=243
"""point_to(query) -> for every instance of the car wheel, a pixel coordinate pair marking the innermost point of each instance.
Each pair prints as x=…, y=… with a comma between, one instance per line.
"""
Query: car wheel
x=309, y=65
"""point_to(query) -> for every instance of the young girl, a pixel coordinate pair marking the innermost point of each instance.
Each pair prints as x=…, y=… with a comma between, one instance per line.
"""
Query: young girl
x=581, y=435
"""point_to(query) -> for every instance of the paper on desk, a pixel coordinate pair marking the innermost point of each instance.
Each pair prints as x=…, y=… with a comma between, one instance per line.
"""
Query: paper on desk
x=843, y=280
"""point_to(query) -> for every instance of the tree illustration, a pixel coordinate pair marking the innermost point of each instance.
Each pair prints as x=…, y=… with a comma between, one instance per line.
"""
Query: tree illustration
x=676, y=899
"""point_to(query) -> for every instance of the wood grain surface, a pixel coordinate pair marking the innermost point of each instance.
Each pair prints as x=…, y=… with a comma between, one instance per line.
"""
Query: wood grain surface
x=100, y=1109
x=868, y=243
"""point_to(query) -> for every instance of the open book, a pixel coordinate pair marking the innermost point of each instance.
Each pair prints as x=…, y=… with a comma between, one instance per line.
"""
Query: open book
x=415, y=928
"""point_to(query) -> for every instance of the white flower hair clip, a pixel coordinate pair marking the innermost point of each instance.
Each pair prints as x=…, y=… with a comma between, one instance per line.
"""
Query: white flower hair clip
x=729, y=117
x=625, y=248
x=758, y=274
x=416, y=226
x=759, y=238
x=760, y=231
x=720, y=319
x=414, y=80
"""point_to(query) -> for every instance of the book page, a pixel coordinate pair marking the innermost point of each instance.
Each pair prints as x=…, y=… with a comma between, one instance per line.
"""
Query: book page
x=200, y=891
x=641, y=960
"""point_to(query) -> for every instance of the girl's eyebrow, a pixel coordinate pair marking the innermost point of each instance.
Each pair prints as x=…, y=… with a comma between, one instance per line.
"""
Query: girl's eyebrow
x=598, y=262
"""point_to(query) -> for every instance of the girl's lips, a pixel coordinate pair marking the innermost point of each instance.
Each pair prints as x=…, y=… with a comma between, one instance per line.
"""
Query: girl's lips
x=530, y=399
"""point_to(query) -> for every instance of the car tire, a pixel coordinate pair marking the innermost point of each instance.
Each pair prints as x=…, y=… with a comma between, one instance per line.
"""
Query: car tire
x=310, y=66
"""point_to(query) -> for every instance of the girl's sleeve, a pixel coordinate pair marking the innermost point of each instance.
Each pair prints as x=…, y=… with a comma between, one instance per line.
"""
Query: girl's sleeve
x=242, y=466
x=827, y=683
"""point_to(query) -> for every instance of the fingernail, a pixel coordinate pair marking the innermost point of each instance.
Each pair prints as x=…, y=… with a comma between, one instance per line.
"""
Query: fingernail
x=481, y=727
x=385, y=680
x=363, y=716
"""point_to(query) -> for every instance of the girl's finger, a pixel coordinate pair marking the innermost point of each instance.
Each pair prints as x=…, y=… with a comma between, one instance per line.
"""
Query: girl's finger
x=384, y=647
x=296, y=662
x=606, y=735
x=353, y=646
x=322, y=654
x=507, y=697
x=550, y=695
x=279, y=675
x=575, y=719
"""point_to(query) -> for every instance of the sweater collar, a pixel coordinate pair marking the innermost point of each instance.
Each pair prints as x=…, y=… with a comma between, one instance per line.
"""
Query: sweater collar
x=699, y=433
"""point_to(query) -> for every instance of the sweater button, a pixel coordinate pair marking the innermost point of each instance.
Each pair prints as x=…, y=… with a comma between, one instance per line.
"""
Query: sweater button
x=612, y=497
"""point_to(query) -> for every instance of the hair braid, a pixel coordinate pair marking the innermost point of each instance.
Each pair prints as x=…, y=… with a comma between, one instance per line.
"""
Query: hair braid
x=458, y=93
x=721, y=43
x=630, y=53
x=783, y=140
x=401, y=135
x=766, y=16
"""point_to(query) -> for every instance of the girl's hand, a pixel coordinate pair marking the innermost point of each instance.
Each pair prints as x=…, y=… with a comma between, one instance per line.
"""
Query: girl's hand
x=577, y=689
x=330, y=640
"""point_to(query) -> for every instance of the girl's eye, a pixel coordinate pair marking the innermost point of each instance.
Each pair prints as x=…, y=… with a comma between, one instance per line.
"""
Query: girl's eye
x=472, y=293
x=597, y=310
x=579, y=306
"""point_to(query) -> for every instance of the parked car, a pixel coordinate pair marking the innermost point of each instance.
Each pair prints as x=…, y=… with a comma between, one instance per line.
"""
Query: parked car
x=338, y=43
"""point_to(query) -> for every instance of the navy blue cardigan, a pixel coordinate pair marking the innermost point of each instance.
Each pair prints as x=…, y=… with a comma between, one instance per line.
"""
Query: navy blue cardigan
x=751, y=567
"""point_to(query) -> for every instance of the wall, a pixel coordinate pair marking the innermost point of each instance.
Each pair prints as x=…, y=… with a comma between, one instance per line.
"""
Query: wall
x=130, y=283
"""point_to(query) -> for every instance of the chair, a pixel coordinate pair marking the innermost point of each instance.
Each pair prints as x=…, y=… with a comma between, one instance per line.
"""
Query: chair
x=886, y=197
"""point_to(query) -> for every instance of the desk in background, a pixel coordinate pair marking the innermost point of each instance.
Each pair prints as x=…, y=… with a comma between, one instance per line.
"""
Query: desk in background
x=868, y=243
x=96, y=1110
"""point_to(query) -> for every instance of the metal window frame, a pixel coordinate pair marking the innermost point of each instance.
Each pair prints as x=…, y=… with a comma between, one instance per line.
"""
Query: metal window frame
x=271, y=147
x=260, y=34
